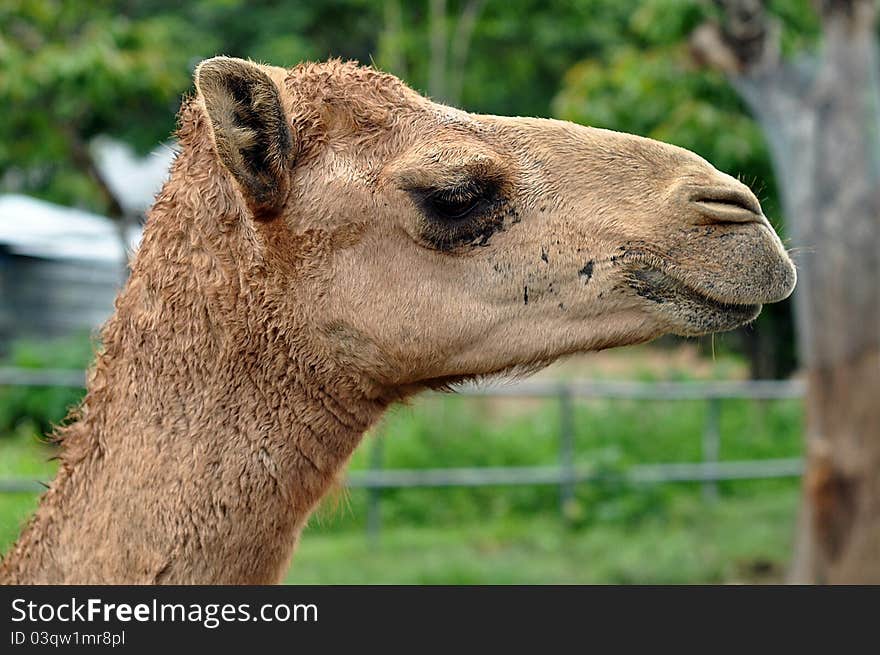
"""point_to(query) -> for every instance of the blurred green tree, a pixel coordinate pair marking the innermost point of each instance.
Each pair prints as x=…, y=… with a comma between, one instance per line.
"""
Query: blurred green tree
x=70, y=71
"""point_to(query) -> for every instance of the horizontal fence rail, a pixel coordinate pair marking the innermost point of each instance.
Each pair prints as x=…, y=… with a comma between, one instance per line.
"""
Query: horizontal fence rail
x=721, y=389
x=535, y=475
x=538, y=475
x=704, y=390
x=25, y=377
x=20, y=485
x=567, y=473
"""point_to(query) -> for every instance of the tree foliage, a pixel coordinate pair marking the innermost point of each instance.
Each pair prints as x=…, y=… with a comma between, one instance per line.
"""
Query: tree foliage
x=71, y=70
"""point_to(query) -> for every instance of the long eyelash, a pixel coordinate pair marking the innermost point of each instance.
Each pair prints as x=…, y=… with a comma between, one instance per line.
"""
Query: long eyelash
x=455, y=195
x=460, y=192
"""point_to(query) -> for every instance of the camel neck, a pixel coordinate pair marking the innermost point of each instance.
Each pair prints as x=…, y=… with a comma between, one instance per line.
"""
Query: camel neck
x=205, y=440
x=175, y=497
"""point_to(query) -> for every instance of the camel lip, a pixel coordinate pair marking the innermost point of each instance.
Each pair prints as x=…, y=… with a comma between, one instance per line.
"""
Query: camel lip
x=648, y=270
x=662, y=287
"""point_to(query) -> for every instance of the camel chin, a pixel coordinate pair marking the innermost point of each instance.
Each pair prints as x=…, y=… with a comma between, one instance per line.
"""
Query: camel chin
x=691, y=312
x=752, y=268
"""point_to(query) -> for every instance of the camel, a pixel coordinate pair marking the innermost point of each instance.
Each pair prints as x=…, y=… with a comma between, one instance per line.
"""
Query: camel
x=330, y=242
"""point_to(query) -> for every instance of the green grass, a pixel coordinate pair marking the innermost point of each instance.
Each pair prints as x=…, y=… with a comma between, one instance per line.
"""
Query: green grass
x=22, y=455
x=735, y=540
x=741, y=539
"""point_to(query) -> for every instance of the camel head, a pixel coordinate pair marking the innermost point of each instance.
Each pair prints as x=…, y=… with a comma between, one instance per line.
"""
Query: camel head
x=444, y=244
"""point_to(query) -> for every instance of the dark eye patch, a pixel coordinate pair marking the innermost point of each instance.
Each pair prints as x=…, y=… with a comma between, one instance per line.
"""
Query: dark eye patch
x=465, y=214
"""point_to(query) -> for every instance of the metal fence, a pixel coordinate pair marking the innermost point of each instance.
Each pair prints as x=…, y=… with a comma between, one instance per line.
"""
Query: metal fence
x=566, y=474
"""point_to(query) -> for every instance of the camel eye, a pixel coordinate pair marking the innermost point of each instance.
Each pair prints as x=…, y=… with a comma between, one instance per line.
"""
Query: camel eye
x=458, y=202
x=453, y=204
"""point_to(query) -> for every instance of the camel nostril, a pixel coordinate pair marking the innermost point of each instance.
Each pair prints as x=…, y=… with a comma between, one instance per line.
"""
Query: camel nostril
x=726, y=204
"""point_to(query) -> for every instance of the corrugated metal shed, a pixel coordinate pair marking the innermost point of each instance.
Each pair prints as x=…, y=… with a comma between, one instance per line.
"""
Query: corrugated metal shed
x=60, y=268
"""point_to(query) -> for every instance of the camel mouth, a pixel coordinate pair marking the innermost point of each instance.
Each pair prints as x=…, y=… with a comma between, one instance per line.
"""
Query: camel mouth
x=693, y=310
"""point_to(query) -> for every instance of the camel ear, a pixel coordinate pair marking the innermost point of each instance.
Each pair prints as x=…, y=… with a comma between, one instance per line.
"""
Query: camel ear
x=250, y=129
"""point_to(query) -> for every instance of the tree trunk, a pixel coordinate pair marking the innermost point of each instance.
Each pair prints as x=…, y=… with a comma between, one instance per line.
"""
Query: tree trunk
x=437, y=65
x=391, y=54
x=822, y=121
x=461, y=43
x=448, y=59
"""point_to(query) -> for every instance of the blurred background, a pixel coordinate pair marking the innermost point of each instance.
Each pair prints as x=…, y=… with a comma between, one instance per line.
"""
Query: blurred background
x=752, y=456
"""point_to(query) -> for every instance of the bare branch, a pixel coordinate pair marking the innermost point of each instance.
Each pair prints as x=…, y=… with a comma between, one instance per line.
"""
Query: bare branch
x=853, y=11
x=747, y=30
x=747, y=39
x=83, y=159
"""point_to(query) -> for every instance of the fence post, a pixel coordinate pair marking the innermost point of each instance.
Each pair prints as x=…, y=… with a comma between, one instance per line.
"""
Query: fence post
x=374, y=494
x=566, y=449
x=711, y=448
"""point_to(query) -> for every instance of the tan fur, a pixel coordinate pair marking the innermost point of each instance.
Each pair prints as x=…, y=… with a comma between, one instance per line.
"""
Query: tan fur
x=279, y=304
